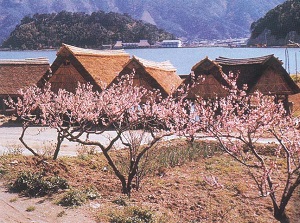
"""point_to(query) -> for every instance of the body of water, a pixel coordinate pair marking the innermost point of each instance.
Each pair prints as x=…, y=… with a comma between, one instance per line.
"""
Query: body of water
x=185, y=58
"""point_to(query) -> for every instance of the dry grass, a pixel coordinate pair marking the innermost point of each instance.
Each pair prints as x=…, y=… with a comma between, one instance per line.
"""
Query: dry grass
x=179, y=195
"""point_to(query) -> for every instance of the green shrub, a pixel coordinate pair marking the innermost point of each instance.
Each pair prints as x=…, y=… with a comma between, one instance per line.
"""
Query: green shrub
x=91, y=193
x=35, y=184
x=120, y=201
x=73, y=198
x=135, y=215
x=76, y=197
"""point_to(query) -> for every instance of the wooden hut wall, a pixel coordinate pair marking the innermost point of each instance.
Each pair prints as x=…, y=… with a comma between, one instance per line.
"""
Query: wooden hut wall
x=247, y=74
x=271, y=82
x=66, y=77
x=209, y=82
x=208, y=87
x=71, y=67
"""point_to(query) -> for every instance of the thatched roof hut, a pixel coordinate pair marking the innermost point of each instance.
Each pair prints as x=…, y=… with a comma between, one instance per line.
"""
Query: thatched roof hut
x=20, y=73
x=74, y=64
x=153, y=75
x=265, y=74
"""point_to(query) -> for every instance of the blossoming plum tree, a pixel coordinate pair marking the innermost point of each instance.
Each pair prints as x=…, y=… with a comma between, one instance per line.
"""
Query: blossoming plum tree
x=123, y=107
x=239, y=122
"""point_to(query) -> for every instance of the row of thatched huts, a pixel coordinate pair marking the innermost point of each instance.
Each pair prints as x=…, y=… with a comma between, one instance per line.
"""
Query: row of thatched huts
x=102, y=67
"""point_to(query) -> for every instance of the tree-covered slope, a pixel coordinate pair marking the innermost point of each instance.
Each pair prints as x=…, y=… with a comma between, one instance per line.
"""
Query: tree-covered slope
x=85, y=30
x=193, y=19
x=279, y=25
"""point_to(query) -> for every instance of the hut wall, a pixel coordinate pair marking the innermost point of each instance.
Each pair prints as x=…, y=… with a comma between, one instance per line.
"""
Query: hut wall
x=271, y=82
x=208, y=88
x=66, y=77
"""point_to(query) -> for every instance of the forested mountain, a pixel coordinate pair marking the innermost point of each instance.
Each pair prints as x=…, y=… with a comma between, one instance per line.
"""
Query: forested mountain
x=193, y=19
x=279, y=26
x=80, y=29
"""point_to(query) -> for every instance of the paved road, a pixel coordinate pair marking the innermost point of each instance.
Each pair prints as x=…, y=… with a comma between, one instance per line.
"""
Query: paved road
x=40, y=139
x=44, y=139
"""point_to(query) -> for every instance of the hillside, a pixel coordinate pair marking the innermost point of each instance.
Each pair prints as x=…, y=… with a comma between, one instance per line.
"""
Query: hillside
x=193, y=19
x=80, y=29
x=278, y=26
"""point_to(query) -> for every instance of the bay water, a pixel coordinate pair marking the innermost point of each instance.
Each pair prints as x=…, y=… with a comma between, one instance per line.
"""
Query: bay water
x=185, y=58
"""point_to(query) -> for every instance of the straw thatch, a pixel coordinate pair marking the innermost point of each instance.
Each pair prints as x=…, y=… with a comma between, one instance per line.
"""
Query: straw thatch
x=74, y=64
x=21, y=73
x=153, y=75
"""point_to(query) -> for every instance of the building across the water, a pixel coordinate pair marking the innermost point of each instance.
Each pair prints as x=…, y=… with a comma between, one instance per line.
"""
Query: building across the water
x=141, y=44
x=171, y=43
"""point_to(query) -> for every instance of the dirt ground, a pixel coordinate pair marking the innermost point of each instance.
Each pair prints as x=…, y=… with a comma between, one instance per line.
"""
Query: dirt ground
x=180, y=195
x=13, y=209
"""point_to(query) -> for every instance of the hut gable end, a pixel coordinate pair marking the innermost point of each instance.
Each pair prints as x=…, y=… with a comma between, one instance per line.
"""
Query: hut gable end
x=207, y=87
x=98, y=67
x=209, y=80
x=153, y=75
x=265, y=74
x=271, y=82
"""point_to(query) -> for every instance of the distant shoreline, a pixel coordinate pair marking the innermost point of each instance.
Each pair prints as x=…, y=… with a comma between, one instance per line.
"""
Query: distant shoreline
x=204, y=46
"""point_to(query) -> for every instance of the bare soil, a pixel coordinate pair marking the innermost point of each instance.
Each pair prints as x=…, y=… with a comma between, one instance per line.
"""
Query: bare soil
x=179, y=194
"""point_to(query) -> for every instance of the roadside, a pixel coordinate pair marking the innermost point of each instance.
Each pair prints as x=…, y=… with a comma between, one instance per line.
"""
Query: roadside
x=14, y=208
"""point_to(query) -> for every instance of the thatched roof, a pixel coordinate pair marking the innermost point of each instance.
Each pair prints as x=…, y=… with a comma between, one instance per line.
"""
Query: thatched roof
x=265, y=74
x=159, y=75
x=96, y=66
x=244, y=61
x=21, y=73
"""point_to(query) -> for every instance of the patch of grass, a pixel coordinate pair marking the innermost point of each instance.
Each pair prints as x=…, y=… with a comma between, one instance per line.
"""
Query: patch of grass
x=134, y=215
x=35, y=184
x=61, y=214
x=30, y=208
x=120, y=201
x=180, y=153
x=13, y=200
x=76, y=197
x=14, y=150
x=73, y=198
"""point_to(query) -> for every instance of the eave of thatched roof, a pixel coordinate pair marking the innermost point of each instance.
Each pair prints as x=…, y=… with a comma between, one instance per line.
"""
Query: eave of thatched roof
x=99, y=67
x=21, y=73
x=244, y=61
x=164, y=73
x=91, y=52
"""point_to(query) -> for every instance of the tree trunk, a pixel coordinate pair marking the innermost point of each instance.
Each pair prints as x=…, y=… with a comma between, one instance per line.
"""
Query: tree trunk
x=281, y=216
x=59, y=142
